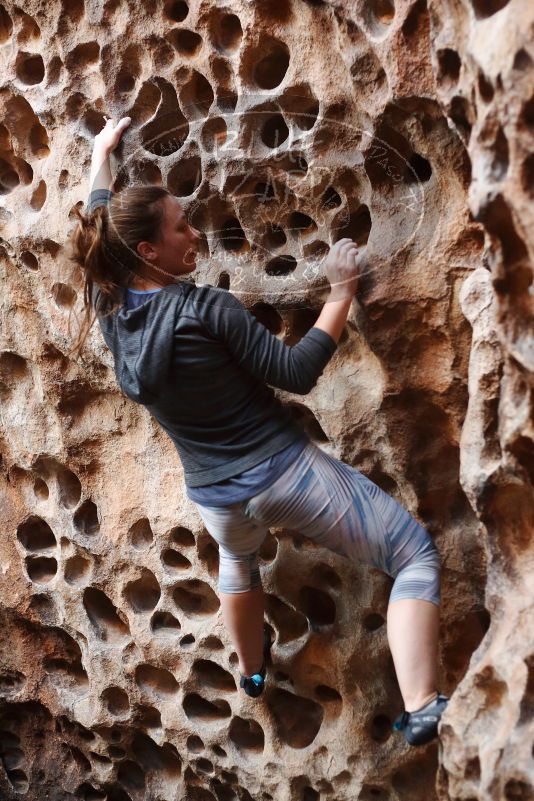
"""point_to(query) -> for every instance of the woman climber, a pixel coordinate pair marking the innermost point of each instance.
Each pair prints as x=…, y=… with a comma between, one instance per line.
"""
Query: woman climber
x=204, y=366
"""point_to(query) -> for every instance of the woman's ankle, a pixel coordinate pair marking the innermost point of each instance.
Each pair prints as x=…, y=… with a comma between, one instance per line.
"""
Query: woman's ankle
x=416, y=702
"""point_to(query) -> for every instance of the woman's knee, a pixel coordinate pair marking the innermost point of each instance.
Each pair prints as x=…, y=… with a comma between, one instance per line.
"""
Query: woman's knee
x=238, y=573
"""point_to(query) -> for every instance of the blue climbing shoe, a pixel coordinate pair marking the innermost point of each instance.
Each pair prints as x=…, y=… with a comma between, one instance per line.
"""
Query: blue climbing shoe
x=421, y=726
x=254, y=685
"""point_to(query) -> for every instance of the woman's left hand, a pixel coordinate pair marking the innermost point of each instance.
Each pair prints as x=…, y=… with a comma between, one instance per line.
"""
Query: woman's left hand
x=110, y=135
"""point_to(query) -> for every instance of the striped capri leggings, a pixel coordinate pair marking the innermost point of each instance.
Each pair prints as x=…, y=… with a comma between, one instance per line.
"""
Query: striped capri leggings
x=339, y=508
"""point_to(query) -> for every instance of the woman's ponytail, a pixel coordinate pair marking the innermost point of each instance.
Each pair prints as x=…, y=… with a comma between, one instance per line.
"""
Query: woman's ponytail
x=104, y=249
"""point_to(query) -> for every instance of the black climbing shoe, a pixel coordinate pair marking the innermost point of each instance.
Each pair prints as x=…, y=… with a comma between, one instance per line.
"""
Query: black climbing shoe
x=421, y=726
x=253, y=685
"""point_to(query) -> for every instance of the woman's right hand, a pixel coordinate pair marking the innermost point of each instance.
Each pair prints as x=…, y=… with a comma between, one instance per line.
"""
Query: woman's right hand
x=342, y=268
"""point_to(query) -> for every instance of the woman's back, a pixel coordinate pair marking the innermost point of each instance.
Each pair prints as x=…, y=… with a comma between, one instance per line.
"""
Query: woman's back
x=201, y=363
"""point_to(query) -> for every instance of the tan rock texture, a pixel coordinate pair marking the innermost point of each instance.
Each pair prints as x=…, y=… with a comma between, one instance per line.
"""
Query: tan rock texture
x=281, y=125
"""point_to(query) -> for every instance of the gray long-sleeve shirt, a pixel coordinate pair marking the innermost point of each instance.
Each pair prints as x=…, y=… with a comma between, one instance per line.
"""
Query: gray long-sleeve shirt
x=201, y=363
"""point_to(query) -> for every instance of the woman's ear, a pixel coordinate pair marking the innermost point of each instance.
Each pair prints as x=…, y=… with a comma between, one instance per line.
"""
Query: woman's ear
x=146, y=251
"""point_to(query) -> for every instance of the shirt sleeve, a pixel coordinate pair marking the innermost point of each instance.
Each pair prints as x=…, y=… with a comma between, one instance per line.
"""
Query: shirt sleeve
x=98, y=197
x=292, y=368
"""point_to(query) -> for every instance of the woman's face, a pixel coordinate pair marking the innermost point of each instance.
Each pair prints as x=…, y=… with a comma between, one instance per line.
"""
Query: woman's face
x=176, y=247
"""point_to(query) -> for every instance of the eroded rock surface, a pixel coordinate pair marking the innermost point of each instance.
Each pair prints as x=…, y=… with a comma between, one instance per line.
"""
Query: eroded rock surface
x=281, y=126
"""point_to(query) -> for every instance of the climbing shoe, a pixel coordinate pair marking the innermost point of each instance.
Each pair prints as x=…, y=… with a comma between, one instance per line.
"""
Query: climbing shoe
x=421, y=726
x=253, y=685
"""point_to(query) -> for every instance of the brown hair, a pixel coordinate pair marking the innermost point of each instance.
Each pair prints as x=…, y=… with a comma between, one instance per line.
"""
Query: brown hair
x=104, y=247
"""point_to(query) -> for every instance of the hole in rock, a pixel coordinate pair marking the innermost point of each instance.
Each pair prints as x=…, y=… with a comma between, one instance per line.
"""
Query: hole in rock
x=187, y=641
x=297, y=719
x=373, y=621
x=53, y=70
x=9, y=178
x=76, y=569
x=203, y=765
x=41, y=569
x=308, y=421
x=155, y=681
x=167, y=132
x=301, y=224
x=29, y=68
x=149, y=174
x=6, y=25
x=357, y=227
x=195, y=597
x=264, y=191
x=175, y=560
x=270, y=63
x=274, y=131
x=210, y=674
x=182, y=537
x=69, y=486
x=29, y=260
x=208, y=553
x=281, y=265
x=380, y=728
x=218, y=751
x=527, y=175
x=522, y=60
x=212, y=642
x=486, y=8
x=196, y=96
x=382, y=10
x=164, y=623
x=371, y=792
x=116, y=701
x=140, y=534
x=194, y=744
x=224, y=280
x=485, y=88
x=38, y=197
x=185, y=177
x=35, y=534
x=325, y=575
x=233, y=237
x=82, y=56
x=202, y=710
x=274, y=236
x=64, y=295
x=131, y=775
x=290, y=623
x=460, y=114
x=188, y=43
x=247, y=735
x=301, y=104
x=176, y=10
x=299, y=322
x=267, y=316
x=226, y=32
x=40, y=489
x=86, y=518
x=103, y=615
x=449, y=65
x=319, y=608
x=331, y=199
x=417, y=169
x=268, y=548
x=214, y=133
x=416, y=23
x=144, y=593
x=327, y=694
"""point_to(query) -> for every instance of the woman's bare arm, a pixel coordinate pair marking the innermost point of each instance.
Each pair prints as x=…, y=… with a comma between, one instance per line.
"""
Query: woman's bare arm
x=342, y=268
x=105, y=143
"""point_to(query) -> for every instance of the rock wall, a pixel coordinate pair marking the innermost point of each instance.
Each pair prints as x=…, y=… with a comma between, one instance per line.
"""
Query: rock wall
x=282, y=126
